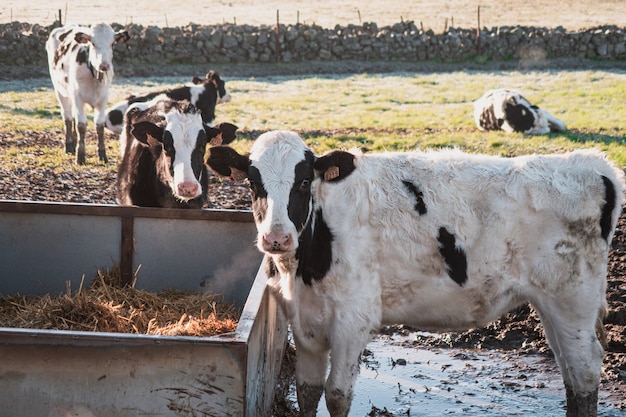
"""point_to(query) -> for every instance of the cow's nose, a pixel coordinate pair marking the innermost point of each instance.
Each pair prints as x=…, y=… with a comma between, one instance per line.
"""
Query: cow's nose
x=277, y=241
x=104, y=67
x=188, y=189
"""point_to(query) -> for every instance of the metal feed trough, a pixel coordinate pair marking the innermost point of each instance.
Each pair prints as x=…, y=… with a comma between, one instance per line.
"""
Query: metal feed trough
x=61, y=373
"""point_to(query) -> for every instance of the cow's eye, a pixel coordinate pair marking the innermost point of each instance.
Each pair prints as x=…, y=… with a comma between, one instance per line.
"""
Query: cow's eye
x=304, y=185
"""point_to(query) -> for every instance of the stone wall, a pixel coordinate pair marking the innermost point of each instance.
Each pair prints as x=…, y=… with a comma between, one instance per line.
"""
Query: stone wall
x=24, y=44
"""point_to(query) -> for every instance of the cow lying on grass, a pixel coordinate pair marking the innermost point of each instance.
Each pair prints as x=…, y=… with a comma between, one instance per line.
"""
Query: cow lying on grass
x=508, y=110
x=204, y=94
x=163, y=160
x=438, y=240
x=80, y=61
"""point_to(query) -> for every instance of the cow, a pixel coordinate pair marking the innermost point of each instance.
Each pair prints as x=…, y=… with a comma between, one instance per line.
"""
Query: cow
x=506, y=109
x=163, y=162
x=439, y=240
x=80, y=62
x=205, y=94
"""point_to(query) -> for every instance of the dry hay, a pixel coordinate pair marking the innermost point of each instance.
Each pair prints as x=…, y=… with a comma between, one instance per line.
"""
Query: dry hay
x=107, y=306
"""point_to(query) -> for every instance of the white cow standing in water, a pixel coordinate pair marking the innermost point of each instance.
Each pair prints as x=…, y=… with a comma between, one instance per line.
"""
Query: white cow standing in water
x=437, y=240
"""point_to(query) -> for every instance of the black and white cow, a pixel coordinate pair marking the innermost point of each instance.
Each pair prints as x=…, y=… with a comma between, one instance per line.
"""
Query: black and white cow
x=205, y=94
x=80, y=61
x=508, y=110
x=163, y=162
x=437, y=240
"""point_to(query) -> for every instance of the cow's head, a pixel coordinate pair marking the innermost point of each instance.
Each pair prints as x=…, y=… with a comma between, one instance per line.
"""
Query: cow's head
x=177, y=138
x=519, y=113
x=281, y=170
x=100, y=40
x=212, y=77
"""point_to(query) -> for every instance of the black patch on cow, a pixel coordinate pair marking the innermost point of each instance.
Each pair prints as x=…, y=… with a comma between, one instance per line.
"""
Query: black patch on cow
x=519, y=116
x=116, y=117
x=420, y=206
x=227, y=130
x=335, y=166
x=314, y=252
x=300, y=194
x=214, y=78
x=223, y=159
x=82, y=57
x=259, y=194
x=488, y=120
x=607, y=208
x=205, y=103
x=63, y=35
x=180, y=93
x=453, y=256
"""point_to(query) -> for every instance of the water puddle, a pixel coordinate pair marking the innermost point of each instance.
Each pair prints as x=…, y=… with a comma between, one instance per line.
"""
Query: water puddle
x=406, y=381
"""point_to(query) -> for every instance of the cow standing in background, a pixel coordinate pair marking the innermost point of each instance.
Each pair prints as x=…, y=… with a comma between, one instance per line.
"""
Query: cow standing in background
x=163, y=161
x=205, y=94
x=80, y=61
x=508, y=110
x=437, y=240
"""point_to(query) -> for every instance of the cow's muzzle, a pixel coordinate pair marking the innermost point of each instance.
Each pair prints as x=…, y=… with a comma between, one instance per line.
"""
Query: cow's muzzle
x=277, y=242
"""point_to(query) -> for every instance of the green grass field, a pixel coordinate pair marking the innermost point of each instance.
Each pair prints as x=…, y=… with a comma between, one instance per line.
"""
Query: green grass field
x=375, y=112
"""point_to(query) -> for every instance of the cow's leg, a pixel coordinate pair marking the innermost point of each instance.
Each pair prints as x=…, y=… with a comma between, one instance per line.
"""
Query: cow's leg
x=344, y=367
x=102, y=152
x=100, y=119
x=80, y=149
x=68, y=120
x=310, y=375
x=570, y=329
x=70, y=136
x=78, y=110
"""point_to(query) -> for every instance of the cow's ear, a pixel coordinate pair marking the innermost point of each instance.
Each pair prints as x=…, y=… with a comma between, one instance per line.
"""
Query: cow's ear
x=335, y=166
x=213, y=77
x=225, y=161
x=222, y=134
x=197, y=80
x=122, y=36
x=81, y=37
x=147, y=133
x=229, y=132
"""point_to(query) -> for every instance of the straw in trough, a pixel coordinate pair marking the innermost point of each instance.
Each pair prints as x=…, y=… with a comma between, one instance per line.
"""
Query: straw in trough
x=107, y=306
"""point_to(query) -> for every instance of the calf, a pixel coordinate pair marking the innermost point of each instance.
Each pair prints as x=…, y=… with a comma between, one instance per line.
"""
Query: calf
x=163, y=161
x=438, y=240
x=80, y=61
x=508, y=110
x=205, y=94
